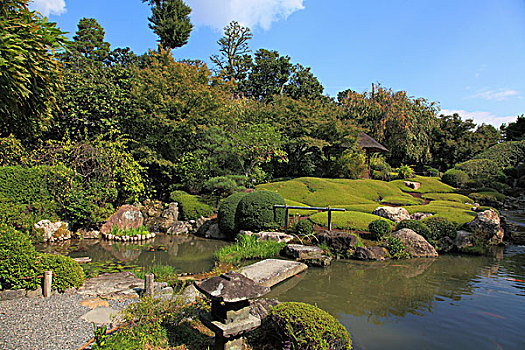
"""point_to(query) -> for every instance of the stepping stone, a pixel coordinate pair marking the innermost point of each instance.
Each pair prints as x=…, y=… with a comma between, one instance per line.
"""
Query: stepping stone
x=94, y=303
x=101, y=315
x=269, y=272
x=299, y=251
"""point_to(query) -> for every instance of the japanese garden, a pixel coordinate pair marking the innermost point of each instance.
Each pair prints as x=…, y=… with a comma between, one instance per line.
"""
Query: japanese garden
x=150, y=202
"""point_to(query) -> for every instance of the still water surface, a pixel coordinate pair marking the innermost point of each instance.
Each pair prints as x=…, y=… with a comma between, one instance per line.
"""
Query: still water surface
x=452, y=302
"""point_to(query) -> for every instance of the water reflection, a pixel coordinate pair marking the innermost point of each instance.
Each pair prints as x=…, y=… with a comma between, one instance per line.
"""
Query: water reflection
x=185, y=253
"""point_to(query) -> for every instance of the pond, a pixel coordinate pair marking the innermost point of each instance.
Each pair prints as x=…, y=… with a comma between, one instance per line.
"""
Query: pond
x=452, y=302
x=185, y=253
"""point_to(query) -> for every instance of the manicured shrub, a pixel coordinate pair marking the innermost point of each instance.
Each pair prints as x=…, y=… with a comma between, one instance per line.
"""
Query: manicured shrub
x=455, y=178
x=380, y=229
x=429, y=171
x=256, y=211
x=488, y=198
x=67, y=272
x=505, y=154
x=416, y=226
x=481, y=171
x=17, y=260
x=439, y=228
x=226, y=214
x=405, y=172
x=396, y=248
x=191, y=207
x=304, y=228
x=307, y=327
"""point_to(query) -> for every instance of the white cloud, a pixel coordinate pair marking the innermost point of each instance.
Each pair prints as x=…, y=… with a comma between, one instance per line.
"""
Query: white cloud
x=46, y=7
x=500, y=95
x=480, y=117
x=250, y=13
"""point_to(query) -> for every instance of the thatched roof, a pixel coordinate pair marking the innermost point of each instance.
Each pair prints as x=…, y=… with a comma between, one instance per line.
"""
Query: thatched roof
x=369, y=144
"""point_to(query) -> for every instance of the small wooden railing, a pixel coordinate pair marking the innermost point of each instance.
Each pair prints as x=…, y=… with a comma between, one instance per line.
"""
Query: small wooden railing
x=288, y=207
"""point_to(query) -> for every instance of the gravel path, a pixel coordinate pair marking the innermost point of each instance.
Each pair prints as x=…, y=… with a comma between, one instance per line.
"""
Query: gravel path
x=51, y=323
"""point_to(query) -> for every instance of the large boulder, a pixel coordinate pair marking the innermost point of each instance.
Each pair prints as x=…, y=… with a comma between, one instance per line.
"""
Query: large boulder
x=464, y=239
x=415, y=244
x=53, y=231
x=339, y=242
x=412, y=184
x=371, y=253
x=395, y=214
x=210, y=229
x=487, y=226
x=157, y=217
x=127, y=217
x=420, y=216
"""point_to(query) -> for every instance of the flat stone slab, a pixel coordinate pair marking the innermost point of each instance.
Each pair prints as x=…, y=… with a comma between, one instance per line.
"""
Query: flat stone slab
x=299, y=251
x=94, y=303
x=269, y=272
x=113, y=285
x=101, y=315
x=231, y=329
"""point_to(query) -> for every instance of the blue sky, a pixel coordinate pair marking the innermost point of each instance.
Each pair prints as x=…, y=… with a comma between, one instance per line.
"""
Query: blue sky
x=467, y=55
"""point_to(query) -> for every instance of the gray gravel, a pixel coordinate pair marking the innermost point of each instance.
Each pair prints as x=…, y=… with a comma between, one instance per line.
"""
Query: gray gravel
x=52, y=323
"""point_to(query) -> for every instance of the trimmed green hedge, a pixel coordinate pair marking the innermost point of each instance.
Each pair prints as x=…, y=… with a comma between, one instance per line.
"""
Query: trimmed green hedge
x=191, y=207
x=482, y=171
x=304, y=227
x=28, y=195
x=22, y=267
x=308, y=327
x=439, y=228
x=455, y=178
x=380, y=228
x=505, y=154
x=226, y=214
x=256, y=211
x=17, y=260
x=66, y=271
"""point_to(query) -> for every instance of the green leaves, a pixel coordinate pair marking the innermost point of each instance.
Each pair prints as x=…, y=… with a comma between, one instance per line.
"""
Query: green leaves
x=170, y=20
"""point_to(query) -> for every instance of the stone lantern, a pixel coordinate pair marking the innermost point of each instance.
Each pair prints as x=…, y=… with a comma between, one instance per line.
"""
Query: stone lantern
x=230, y=317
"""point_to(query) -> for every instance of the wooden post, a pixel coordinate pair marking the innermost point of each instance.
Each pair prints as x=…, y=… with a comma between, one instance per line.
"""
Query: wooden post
x=48, y=280
x=329, y=219
x=149, y=284
x=287, y=219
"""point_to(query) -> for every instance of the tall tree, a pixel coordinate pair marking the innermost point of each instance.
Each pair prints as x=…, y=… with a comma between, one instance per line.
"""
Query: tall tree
x=89, y=41
x=170, y=20
x=268, y=76
x=515, y=131
x=30, y=73
x=303, y=84
x=233, y=61
x=402, y=123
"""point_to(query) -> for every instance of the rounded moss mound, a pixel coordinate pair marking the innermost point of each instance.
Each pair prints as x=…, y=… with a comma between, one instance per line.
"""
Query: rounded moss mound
x=256, y=211
x=226, y=214
x=416, y=226
x=380, y=229
x=455, y=178
x=17, y=260
x=305, y=326
x=67, y=272
x=440, y=227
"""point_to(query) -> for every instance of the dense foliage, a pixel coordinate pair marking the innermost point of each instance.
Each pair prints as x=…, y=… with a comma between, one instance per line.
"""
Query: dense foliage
x=455, y=178
x=67, y=273
x=303, y=228
x=307, y=327
x=256, y=211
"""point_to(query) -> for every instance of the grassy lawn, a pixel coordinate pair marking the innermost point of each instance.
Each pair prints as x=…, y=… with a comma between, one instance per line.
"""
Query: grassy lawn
x=428, y=185
x=452, y=197
x=349, y=220
x=361, y=197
